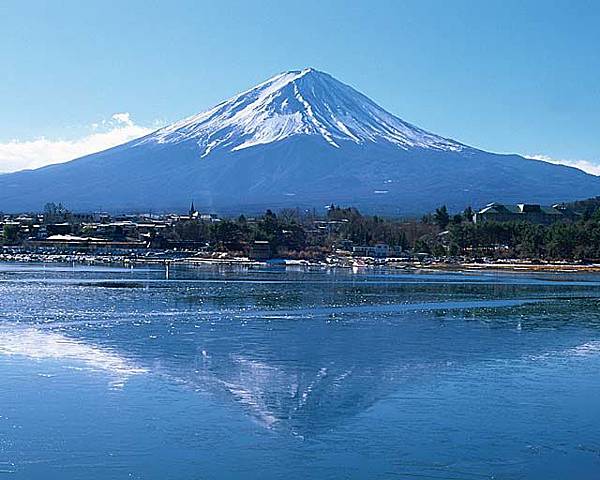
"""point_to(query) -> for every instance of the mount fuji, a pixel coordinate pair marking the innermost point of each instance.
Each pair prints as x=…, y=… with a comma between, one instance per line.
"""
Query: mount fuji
x=300, y=139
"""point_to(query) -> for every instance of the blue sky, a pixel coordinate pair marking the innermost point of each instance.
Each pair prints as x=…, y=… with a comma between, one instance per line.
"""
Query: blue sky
x=506, y=76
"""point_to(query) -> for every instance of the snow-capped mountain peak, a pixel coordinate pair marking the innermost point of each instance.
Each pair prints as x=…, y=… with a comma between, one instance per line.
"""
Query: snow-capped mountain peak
x=299, y=140
x=300, y=102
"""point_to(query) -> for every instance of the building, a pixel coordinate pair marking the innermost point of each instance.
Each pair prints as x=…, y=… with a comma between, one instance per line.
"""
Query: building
x=73, y=243
x=524, y=212
x=260, y=250
x=381, y=250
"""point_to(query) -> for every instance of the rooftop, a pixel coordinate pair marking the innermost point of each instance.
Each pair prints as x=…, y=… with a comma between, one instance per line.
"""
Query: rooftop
x=521, y=208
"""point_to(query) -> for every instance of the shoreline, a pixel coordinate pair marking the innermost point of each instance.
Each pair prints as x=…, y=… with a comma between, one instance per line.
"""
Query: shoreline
x=333, y=261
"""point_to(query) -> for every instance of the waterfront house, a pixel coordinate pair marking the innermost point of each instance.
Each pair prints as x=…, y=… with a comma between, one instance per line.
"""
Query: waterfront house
x=524, y=212
x=381, y=250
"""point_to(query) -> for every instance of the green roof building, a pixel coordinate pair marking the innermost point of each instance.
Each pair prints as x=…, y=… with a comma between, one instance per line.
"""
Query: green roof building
x=524, y=212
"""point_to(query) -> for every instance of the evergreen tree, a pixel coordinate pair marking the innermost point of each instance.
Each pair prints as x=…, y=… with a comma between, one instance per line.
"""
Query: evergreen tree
x=441, y=217
x=468, y=214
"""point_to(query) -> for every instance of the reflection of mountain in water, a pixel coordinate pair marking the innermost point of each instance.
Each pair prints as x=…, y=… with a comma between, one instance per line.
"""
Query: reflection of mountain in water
x=301, y=401
x=305, y=380
x=300, y=369
x=298, y=376
x=307, y=376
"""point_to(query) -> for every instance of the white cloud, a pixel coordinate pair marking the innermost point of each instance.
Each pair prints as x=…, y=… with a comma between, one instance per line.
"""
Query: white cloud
x=123, y=118
x=27, y=154
x=585, y=165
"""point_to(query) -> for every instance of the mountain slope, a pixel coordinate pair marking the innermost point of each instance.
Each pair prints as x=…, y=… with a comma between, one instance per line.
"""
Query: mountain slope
x=304, y=102
x=301, y=139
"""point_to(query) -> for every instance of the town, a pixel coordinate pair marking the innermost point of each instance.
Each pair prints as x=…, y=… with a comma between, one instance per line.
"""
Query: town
x=340, y=236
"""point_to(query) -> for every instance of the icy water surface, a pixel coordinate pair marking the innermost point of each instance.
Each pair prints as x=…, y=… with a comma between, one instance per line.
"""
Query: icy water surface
x=110, y=373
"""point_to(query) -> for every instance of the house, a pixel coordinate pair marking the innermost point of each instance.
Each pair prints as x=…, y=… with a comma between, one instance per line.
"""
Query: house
x=524, y=212
x=381, y=250
x=210, y=217
x=260, y=250
x=71, y=243
x=63, y=228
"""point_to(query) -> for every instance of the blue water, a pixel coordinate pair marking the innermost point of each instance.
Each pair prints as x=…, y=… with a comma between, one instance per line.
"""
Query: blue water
x=110, y=373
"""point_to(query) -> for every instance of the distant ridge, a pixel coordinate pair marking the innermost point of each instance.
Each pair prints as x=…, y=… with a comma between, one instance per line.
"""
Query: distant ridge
x=300, y=139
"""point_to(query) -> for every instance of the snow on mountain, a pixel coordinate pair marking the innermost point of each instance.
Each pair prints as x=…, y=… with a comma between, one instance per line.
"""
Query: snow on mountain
x=306, y=102
x=301, y=139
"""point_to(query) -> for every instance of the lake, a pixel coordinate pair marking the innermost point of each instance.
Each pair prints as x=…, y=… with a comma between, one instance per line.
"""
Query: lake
x=250, y=373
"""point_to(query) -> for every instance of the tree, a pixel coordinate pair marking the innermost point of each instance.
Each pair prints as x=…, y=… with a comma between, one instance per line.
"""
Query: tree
x=289, y=215
x=10, y=233
x=438, y=250
x=228, y=234
x=421, y=246
x=191, y=230
x=468, y=214
x=55, y=213
x=441, y=217
x=456, y=219
x=337, y=213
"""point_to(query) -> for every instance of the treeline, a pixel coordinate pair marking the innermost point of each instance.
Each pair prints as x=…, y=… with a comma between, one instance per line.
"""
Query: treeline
x=290, y=232
x=459, y=236
x=366, y=230
x=283, y=231
x=586, y=207
x=569, y=241
x=440, y=233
